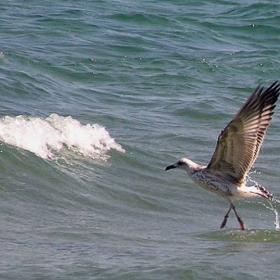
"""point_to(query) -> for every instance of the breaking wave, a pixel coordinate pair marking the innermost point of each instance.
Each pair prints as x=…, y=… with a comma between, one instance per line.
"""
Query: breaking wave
x=48, y=137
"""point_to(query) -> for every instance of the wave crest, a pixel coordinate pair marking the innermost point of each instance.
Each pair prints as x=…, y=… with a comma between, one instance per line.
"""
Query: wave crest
x=47, y=137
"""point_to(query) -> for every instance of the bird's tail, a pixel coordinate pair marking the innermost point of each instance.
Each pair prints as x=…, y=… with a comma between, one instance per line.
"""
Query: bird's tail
x=261, y=191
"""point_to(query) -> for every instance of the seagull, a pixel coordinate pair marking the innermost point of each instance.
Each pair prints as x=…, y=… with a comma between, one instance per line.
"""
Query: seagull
x=237, y=148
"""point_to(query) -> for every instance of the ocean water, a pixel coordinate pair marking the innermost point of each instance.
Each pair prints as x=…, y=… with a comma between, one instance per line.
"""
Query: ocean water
x=97, y=98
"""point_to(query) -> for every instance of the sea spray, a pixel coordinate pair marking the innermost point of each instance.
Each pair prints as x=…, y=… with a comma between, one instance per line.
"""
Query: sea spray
x=276, y=223
x=271, y=208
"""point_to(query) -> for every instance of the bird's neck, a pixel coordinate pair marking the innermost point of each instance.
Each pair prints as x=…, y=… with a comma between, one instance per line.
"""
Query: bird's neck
x=192, y=166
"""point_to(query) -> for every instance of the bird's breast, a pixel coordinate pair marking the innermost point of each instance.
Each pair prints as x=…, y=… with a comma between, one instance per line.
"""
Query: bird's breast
x=213, y=183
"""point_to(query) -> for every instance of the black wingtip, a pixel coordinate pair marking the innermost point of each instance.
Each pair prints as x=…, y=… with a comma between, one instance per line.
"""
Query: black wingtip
x=263, y=97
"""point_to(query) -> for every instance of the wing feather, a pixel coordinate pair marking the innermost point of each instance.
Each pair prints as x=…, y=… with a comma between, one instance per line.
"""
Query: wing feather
x=239, y=143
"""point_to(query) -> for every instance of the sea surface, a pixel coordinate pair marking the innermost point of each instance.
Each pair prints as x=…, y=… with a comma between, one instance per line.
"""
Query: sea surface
x=97, y=98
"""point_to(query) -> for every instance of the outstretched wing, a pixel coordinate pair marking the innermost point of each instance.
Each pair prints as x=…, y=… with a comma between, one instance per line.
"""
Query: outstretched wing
x=239, y=143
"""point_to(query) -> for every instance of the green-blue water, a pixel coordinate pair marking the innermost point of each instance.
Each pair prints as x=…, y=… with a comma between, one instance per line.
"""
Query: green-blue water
x=160, y=79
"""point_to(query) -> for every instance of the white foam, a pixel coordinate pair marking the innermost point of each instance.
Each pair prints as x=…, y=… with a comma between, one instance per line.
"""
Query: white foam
x=46, y=137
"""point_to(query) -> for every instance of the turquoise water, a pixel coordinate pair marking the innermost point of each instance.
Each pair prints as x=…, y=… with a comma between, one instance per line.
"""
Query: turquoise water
x=97, y=98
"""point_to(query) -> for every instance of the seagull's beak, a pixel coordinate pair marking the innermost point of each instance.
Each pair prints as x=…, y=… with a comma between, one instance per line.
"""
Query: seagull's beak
x=172, y=166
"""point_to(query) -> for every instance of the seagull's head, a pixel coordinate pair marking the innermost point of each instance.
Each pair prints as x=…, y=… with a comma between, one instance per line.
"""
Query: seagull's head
x=183, y=163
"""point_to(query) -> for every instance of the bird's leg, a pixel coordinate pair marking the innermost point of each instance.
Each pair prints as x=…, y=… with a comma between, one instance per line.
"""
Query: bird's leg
x=241, y=223
x=226, y=217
